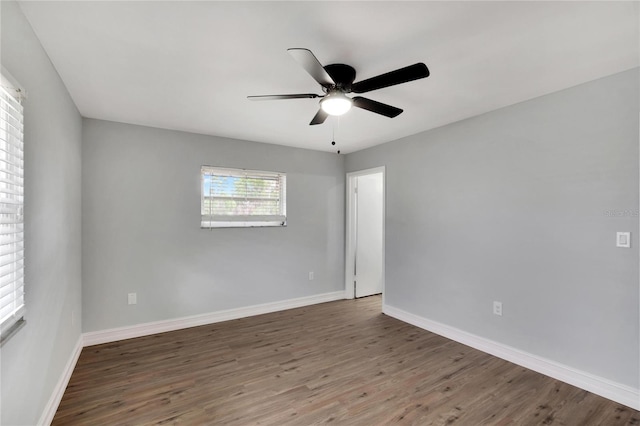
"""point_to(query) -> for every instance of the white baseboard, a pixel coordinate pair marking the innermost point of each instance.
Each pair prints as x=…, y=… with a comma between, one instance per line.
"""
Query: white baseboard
x=129, y=332
x=606, y=388
x=52, y=405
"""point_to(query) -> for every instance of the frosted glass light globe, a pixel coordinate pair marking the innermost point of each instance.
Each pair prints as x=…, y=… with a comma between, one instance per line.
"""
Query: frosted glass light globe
x=335, y=103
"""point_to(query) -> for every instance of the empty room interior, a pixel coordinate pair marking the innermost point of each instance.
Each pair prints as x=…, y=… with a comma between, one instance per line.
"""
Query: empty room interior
x=296, y=213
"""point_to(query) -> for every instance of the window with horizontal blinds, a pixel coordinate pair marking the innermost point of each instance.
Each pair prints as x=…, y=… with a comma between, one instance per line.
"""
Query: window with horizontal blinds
x=242, y=198
x=12, y=303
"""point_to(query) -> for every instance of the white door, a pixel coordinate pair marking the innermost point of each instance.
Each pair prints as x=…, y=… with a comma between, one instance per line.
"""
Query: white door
x=368, y=254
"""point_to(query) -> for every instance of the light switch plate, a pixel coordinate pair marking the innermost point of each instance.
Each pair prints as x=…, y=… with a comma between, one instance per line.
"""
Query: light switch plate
x=623, y=239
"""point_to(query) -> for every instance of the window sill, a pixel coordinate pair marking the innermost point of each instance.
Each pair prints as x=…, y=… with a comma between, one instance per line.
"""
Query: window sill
x=237, y=224
x=11, y=331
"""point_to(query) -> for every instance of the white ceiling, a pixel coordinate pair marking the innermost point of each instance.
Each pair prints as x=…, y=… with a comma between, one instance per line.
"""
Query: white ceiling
x=190, y=65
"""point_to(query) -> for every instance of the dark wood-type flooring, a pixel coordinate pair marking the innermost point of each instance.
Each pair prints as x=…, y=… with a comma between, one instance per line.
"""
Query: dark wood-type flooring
x=340, y=363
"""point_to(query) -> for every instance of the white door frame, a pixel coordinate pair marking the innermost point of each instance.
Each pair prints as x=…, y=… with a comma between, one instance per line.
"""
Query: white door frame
x=349, y=292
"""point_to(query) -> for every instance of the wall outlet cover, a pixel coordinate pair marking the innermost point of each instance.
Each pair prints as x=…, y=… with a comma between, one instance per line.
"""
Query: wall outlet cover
x=497, y=308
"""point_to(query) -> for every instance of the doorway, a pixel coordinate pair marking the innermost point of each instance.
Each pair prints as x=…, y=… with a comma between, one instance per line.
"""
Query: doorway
x=364, y=275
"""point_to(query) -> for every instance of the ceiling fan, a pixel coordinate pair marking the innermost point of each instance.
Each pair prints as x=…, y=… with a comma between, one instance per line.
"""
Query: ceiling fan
x=336, y=80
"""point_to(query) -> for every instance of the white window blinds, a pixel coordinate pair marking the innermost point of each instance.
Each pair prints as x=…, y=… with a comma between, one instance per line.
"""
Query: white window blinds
x=12, y=306
x=237, y=198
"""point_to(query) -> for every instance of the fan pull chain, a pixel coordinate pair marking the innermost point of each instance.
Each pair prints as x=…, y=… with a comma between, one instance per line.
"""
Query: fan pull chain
x=333, y=129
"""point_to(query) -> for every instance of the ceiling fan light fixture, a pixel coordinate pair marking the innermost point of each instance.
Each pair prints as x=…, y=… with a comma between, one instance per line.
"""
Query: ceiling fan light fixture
x=336, y=103
x=336, y=80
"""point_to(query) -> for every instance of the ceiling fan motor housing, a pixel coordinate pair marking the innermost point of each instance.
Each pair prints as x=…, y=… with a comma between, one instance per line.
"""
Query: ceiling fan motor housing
x=343, y=75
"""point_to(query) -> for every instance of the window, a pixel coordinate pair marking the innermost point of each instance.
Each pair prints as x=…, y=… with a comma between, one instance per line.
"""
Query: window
x=12, y=306
x=242, y=198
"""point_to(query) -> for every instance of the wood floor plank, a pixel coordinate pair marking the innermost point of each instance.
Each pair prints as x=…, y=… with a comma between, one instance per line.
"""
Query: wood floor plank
x=335, y=363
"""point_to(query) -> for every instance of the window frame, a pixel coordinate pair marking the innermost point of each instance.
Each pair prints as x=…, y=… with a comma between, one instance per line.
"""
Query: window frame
x=210, y=221
x=12, y=250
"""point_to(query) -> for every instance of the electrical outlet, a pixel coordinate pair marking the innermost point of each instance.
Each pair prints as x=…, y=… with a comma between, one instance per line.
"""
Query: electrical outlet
x=497, y=308
x=132, y=298
x=311, y=276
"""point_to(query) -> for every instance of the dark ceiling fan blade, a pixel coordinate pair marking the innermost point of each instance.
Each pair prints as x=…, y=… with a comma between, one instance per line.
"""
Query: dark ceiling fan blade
x=311, y=64
x=319, y=118
x=277, y=97
x=377, y=107
x=402, y=75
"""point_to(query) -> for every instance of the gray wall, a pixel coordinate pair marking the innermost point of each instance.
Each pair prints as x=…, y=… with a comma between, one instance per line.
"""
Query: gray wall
x=141, y=227
x=514, y=206
x=33, y=360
